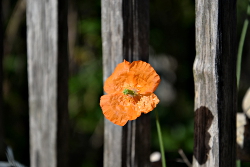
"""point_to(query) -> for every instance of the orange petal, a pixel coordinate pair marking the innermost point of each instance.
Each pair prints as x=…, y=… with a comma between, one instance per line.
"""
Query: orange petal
x=118, y=108
x=144, y=77
x=119, y=77
x=147, y=103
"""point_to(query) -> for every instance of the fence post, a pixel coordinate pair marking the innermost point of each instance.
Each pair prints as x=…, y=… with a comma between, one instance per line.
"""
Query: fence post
x=215, y=84
x=48, y=78
x=125, y=35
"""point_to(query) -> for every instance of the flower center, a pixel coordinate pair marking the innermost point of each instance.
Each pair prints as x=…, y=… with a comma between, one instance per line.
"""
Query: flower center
x=129, y=92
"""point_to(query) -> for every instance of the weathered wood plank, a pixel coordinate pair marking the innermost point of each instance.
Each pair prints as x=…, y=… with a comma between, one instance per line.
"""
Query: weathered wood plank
x=42, y=40
x=215, y=84
x=125, y=35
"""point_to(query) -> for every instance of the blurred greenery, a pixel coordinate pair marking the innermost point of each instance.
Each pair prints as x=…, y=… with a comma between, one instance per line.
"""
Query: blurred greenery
x=172, y=33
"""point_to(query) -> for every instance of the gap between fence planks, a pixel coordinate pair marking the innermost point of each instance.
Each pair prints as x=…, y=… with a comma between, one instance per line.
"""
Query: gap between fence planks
x=48, y=82
x=62, y=86
x=125, y=35
x=2, y=149
x=215, y=84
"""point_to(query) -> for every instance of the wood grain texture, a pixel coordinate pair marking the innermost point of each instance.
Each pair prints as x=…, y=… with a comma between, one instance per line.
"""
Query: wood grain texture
x=215, y=80
x=136, y=30
x=125, y=35
x=42, y=38
x=112, y=29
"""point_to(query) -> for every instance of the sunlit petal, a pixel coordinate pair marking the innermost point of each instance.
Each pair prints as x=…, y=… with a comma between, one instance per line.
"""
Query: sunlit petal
x=116, y=81
x=114, y=108
x=147, y=103
x=144, y=77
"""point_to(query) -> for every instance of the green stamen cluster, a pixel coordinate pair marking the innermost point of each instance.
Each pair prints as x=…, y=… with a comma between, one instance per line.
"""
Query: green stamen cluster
x=129, y=92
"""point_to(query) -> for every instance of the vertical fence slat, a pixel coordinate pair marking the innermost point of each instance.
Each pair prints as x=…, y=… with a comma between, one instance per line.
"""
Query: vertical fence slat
x=112, y=29
x=136, y=134
x=42, y=70
x=125, y=35
x=2, y=151
x=215, y=84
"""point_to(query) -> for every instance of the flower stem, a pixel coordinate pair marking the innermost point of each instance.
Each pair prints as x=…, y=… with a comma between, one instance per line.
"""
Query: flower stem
x=241, y=44
x=238, y=163
x=163, y=160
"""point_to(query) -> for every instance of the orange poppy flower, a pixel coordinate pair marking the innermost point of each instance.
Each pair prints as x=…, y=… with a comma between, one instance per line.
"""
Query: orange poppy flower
x=129, y=92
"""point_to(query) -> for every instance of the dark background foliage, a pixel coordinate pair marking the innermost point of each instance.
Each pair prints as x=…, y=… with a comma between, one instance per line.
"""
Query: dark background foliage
x=172, y=39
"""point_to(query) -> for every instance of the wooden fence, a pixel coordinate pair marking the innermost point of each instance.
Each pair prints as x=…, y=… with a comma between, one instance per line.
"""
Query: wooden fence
x=125, y=35
x=215, y=84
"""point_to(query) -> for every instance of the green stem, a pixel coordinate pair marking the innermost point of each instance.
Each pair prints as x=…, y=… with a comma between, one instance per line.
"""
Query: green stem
x=238, y=163
x=163, y=160
x=241, y=44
